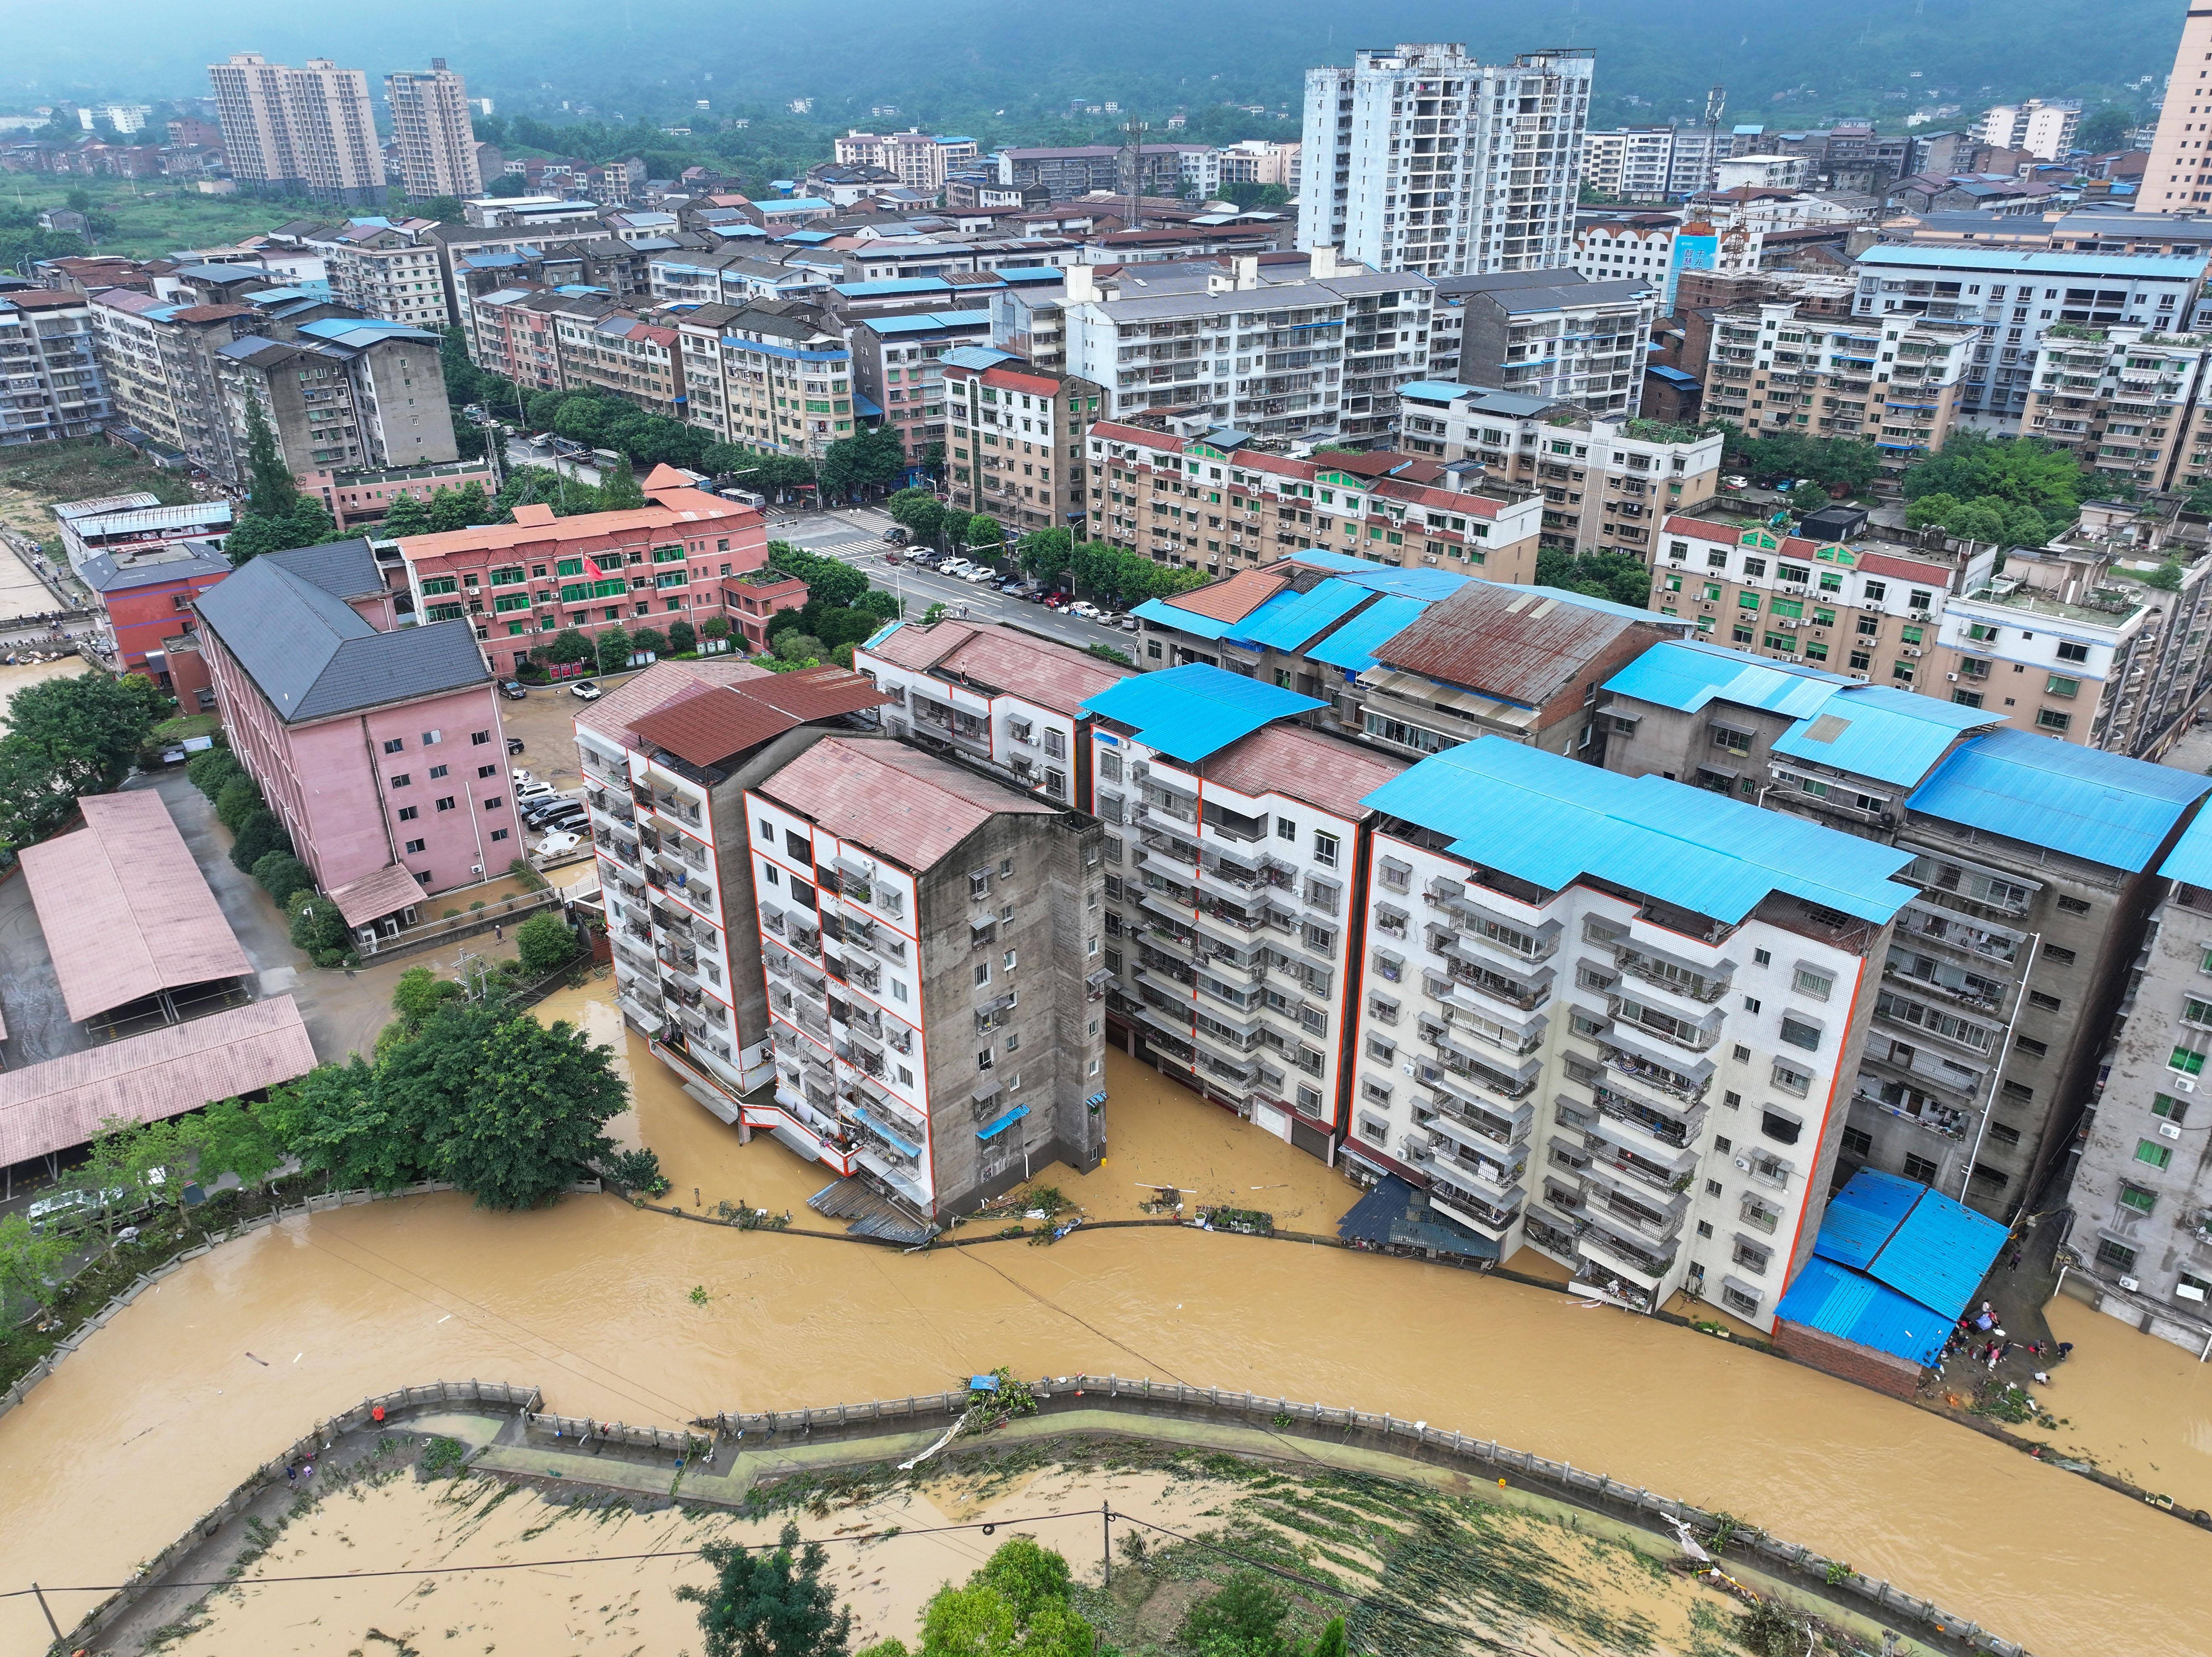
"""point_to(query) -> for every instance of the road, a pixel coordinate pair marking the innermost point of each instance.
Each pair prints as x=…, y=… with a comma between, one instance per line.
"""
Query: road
x=519, y=453
x=854, y=536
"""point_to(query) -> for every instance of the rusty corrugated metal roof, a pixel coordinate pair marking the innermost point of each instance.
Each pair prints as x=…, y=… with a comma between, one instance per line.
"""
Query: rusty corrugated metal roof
x=1524, y=644
x=1234, y=599
x=722, y=720
x=1058, y=677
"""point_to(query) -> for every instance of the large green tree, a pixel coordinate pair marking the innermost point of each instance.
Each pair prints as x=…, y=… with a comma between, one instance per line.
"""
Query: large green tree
x=2010, y=472
x=770, y=1604
x=68, y=737
x=271, y=490
x=338, y=1122
x=921, y=512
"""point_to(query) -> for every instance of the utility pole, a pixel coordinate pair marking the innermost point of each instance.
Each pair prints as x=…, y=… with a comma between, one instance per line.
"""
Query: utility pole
x=50, y=1624
x=1106, y=1521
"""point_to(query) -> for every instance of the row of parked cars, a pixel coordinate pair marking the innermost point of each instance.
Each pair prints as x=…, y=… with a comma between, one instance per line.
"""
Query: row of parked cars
x=947, y=563
x=561, y=820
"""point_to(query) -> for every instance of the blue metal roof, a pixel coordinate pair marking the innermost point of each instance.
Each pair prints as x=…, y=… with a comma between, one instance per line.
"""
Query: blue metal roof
x=898, y=1139
x=1436, y=391
x=1351, y=647
x=992, y=1129
x=1858, y=1309
x=1189, y=712
x=360, y=330
x=865, y=409
x=1894, y=1265
x=977, y=356
x=1184, y=621
x=2103, y=807
x=2190, y=861
x=892, y=285
x=1032, y=273
x=1687, y=675
x=1417, y=583
x=1289, y=618
x=1893, y=735
x=1552, y=820
x=926, y=321
x=2113, y=266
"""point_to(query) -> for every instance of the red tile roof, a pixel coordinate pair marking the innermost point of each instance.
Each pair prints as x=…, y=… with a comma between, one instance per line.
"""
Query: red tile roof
x=919, y=647
x=1303, y=764
x=125, y=910
x=714, y=723
x=673, y=508
x=1704, y=530
x=615, y=713
x=1905, y=569
x=149, y=1078
x=899, y=803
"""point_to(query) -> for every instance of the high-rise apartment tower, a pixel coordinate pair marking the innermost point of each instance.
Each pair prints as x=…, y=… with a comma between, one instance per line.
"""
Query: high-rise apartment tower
x=299, y=132
x=430, y=121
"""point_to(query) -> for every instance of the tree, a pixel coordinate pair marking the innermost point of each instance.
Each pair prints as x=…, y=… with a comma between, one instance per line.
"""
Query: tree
x=921, y=512
x=883, y=605
x=985, y=534
x=568, y=645
x=280, y=874
x=2105, y=129
x=716, y=628
x=613, y=650
x=419, y=993
x=509, y=1109
x=31, y=1263
x=648, y=640
x=318, y=930
x=209, y=770
x=799, y=649
x=406, y=516
x=70, y=738
x=1045, y=553
x=260, y=834
x=618, y=489
x=272, y=493
x=1015, y=1605
x=460, y=508
x=231, y=1139
x=544, y=944
x=872, y=457
x=337, y=1122
x=1807, y=498
x=2015, y=471
x=683, y=639
x=1243, y=1619
x=239, y=800
x=307, y=524
x=770, y=1604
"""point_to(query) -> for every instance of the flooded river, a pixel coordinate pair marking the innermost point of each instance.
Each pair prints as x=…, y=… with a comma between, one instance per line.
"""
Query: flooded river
x=161, y=1412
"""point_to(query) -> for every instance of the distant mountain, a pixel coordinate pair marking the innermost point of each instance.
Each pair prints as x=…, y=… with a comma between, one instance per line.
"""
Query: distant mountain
x=940, y=59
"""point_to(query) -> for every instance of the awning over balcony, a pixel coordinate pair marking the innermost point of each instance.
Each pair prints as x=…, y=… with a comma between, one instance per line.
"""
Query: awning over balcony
x=1674, y=1160
x=991, y=1130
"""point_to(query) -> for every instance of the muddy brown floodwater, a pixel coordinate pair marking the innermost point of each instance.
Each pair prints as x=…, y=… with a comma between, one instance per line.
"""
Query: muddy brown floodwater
x=162, y=1411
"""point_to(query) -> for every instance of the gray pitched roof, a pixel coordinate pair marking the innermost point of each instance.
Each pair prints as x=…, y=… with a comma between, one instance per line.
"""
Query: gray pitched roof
x=105, y=573
x=345, y=570
x=314, y=656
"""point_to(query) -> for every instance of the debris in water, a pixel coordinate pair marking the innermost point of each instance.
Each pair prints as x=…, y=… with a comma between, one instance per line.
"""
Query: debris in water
x=264, y=1362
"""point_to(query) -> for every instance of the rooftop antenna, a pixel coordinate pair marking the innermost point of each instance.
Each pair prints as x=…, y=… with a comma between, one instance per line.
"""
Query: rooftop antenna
x=1715, y=101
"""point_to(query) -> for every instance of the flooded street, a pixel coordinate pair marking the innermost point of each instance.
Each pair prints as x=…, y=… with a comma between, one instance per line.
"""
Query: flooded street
x=159, y=1414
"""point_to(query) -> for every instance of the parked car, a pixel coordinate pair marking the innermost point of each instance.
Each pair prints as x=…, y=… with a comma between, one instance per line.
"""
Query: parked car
x=980, y=573
x=64, y=1210
x=586, y=690
x=513, y=689
x=1128, y=624
x=554, y=845
x=560, y=823
x=1087, y=610
x=1038, y=596
x=519, y=774
x=527, y=792
x=893, y=555
x=898, y=535
x=514, y=745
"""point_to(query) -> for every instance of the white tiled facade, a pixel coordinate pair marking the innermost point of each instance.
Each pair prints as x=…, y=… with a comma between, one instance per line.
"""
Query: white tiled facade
x=1644, y=1105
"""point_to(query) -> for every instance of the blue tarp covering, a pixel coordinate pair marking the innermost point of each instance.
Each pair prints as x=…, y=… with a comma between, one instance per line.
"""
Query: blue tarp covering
x=1429, y=584
x=1287, y=621
x=865, y=409
x=2190, y=861
x=899, y=1141
x=1894, y=1266
x=1352, y=646
x=991, y=1130
x=1686, y=676
x=2103, y=807
x=1189, y=712
x=1551, y=820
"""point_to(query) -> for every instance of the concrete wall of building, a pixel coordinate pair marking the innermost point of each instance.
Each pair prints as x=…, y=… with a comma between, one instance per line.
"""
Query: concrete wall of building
x=1885, y=1373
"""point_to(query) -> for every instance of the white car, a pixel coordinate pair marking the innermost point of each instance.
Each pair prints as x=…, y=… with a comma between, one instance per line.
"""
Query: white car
x=553, y=844
x=955, y=566
x=586, y=691
x=520, y=776
x=979, y=572
x=531, y=790
x=1088, y=611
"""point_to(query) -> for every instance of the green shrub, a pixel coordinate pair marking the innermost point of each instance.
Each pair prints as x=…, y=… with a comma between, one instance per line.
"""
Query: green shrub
x=280, y=874
x=211, y=770
x=257, y=836
x=544, y=944
x=318, y=930
x=239, y=800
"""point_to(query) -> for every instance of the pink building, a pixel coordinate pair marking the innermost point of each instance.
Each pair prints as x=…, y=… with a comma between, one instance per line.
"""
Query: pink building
x=380, y=747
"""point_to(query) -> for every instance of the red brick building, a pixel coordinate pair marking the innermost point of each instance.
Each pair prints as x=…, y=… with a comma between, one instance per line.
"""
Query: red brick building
x=148, y=591
x=672, y=560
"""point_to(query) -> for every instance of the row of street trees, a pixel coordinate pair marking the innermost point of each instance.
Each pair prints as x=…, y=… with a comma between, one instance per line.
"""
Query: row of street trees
x=1106, y=574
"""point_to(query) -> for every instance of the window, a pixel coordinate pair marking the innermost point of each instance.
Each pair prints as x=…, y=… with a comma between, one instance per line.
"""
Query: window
x=500, y=834
x=2117, y=1255
x=446, y=804
x=1781, y=1129
x=480, y=738
x=2055, y=686
x=1791, y=1079
x=1818, y=985
x=2187, y=1061
x=395, y=744
x=2151, y=1154
x=436, y=772
x=1738, y=1301
x=1799, y=1033
x=402, y=780
x=2072, y=906
x=982, y=972
x=407, y=814
x=1857, y=1142
x=2173, y=1110
x=1921, y=1169
x=1325, y=849
x=415, y=846
x=2136, y=1198
x=432, y=738
x=2050, y=718
x=493, y=802
x=2029, y=1045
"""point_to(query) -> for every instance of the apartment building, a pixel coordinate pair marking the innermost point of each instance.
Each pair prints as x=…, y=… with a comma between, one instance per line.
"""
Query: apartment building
x=2140, y=1246
x=307, y=132
x=50, y=385
x=1657, y=248
x=378, y=747
x=1605, y=482
x=158, y=361
x=920, y=160
x=1235, y=847
x=1014, y=438
x=433, y=138
x=148, y=591
x=667, y=759
x=2012, y=299
x=933, y=941
x=1867, y=611
x=2129, y=401
x=518, y=583
x=622, y=355
x=1669, y=1116
x=1080, y=170
x=2032, y=860
x=772, y=374
x=515, y=331
x=1650, y=163
x=898, y=369
x=339, y=395
x=1308, y=356
x=1213, y=501
x=697, y=277
x=2044, y=127
x=992, y=695
x=1894, y=378
x=1262, y=161
x=1410, y=661
x=385, y=270
x=2174, y=178
x=1547, y=333
x=2070, y=642
x=1419, y=158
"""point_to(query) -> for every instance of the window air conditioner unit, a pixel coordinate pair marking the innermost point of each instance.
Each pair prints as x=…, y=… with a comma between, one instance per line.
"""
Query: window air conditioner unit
x=2187, y=1083
x=2131, y=1284
x=1953, y=678
x=2169, y=1130
x=1744, y=1163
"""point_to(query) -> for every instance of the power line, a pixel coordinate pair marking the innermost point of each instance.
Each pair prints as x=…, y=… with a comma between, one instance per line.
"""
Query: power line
x=892, y=1534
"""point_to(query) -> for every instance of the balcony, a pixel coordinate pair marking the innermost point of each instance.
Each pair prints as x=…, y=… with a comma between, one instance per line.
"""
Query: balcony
x=1474, y=1123
x=1473, y=1209
x=1654, y=1070
x=1679, y=977
x=1672, y=1131
x=1645, y=1266
x=1631, y=1015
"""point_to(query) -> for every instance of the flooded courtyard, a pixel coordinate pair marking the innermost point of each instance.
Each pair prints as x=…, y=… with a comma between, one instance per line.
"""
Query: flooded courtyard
x=160, y=1413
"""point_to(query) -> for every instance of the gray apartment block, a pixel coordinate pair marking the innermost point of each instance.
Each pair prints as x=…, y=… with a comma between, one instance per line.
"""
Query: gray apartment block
x=2034, y=862
x=2141, y=1235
